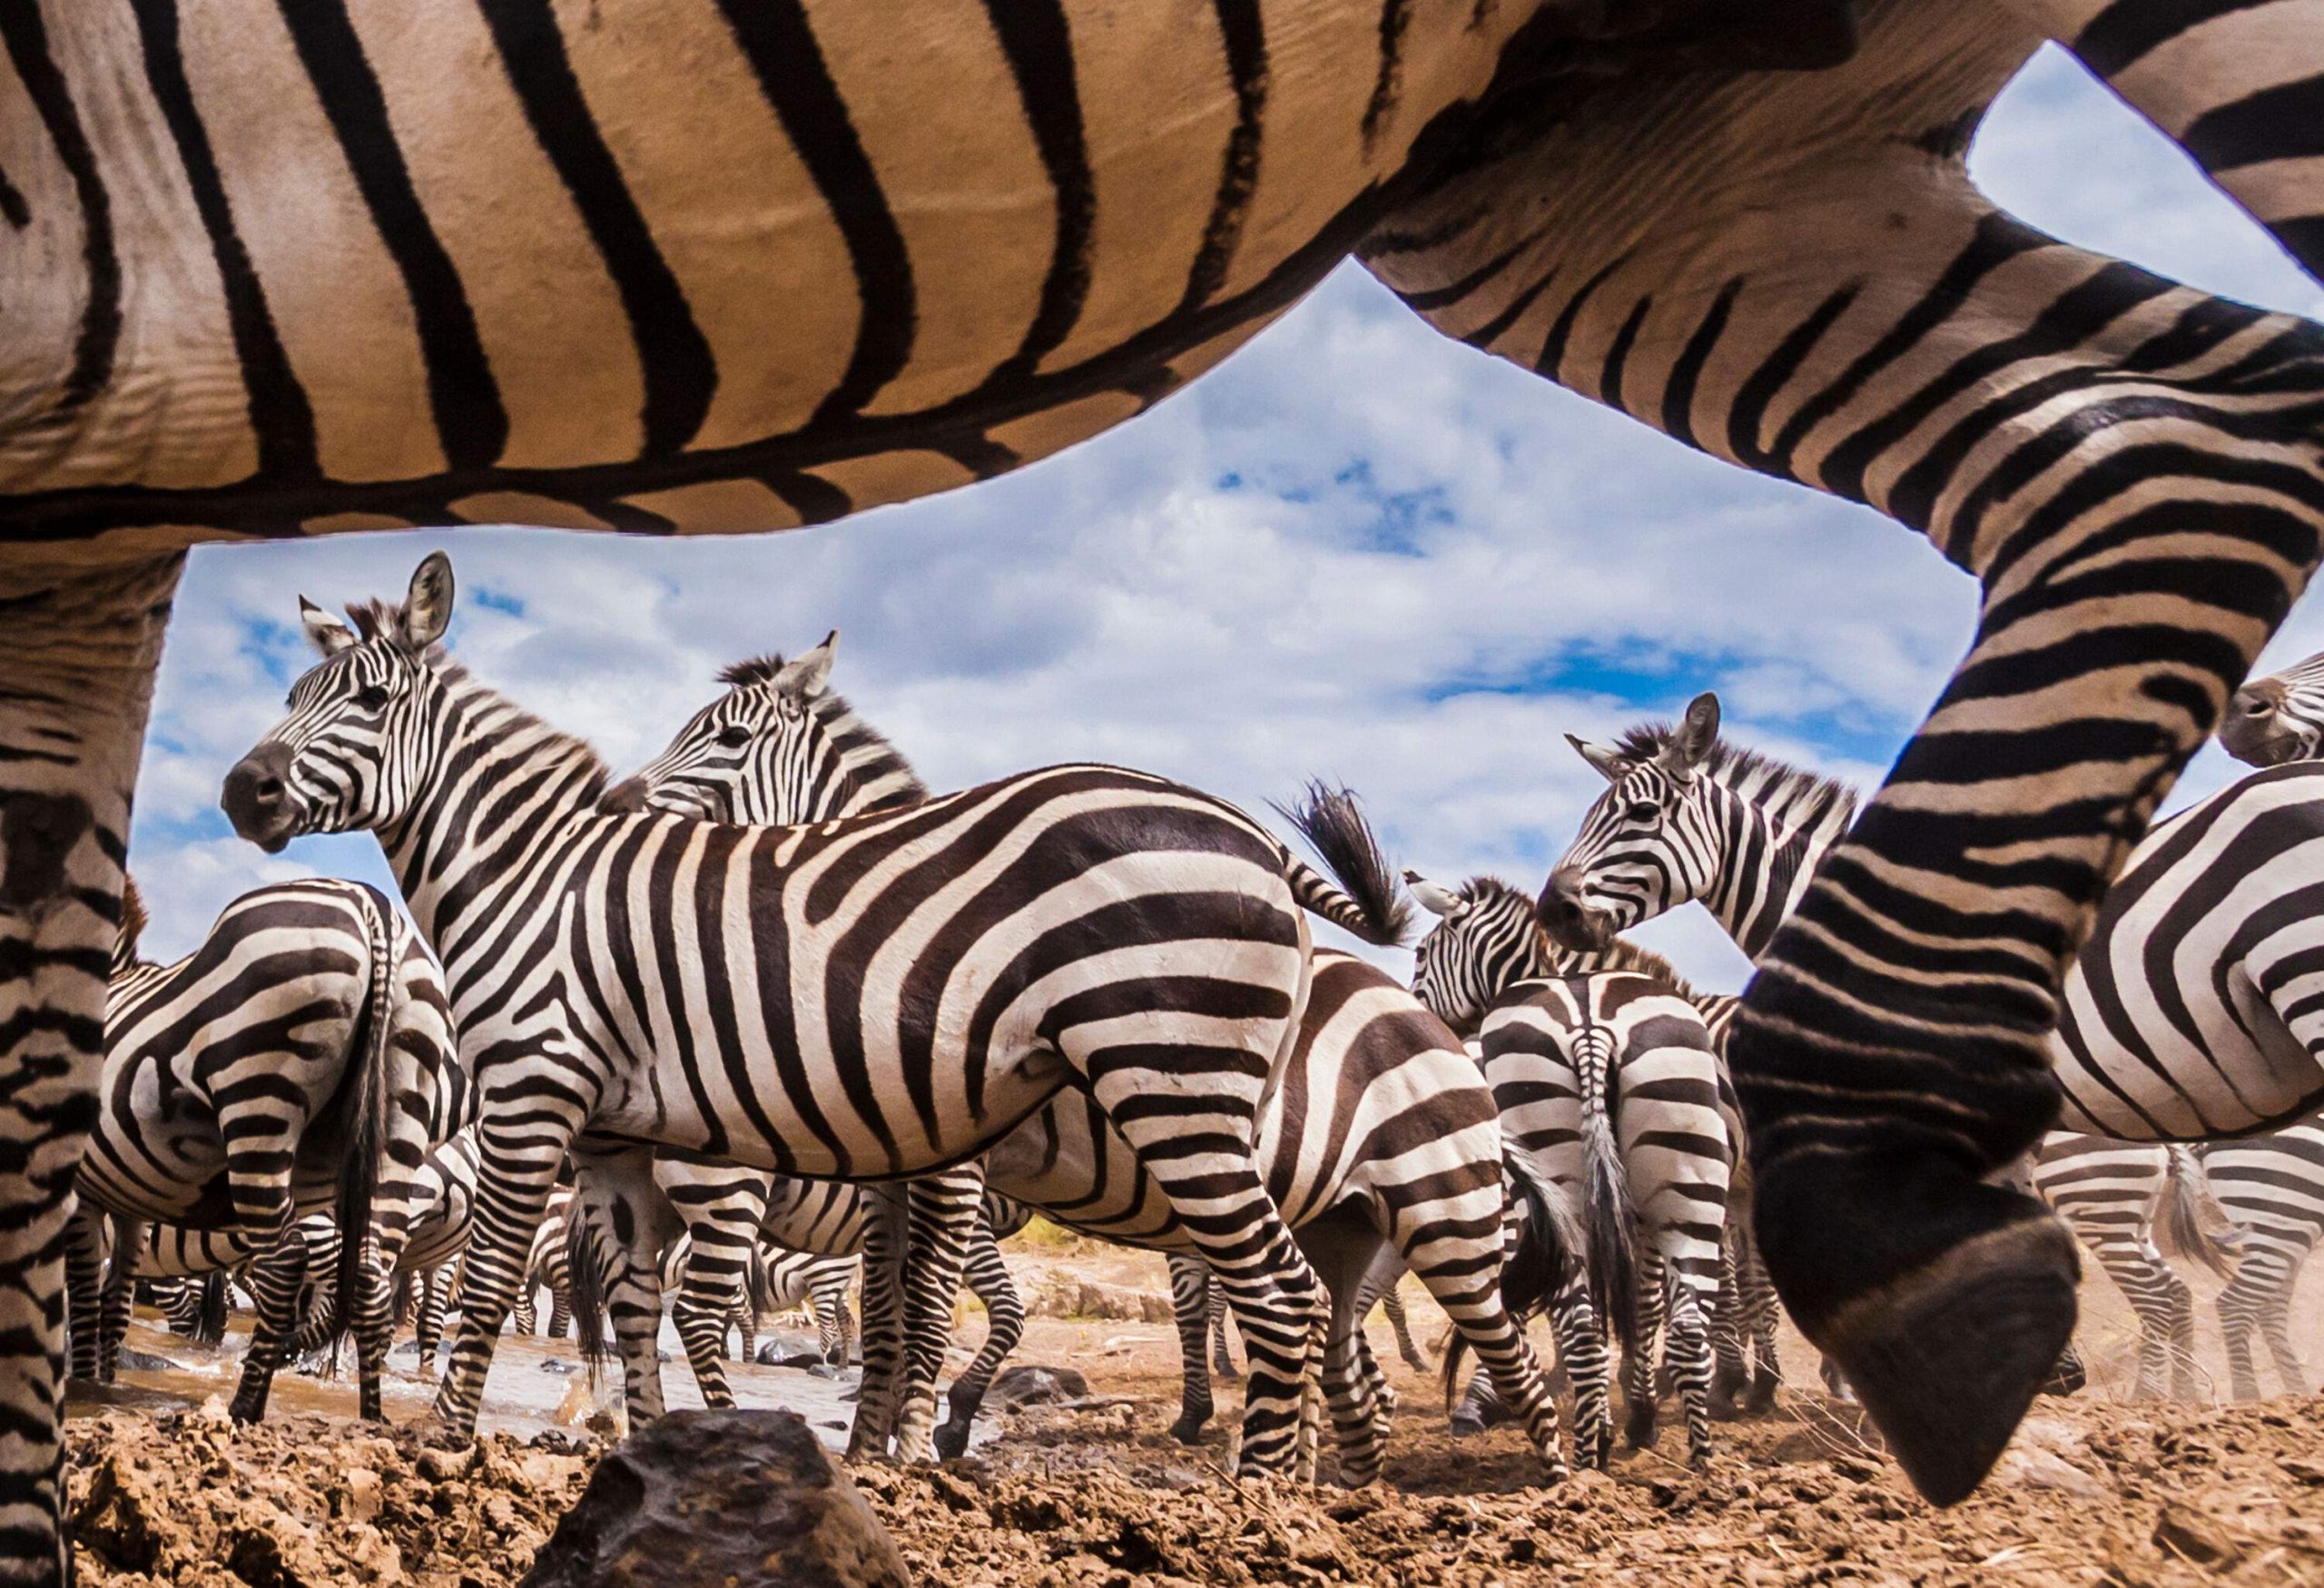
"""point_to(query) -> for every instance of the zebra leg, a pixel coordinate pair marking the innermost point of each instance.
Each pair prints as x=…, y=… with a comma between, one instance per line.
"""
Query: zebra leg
x=620, y=1226
x=2239, y=1309
x=113, y=1299
x=275, y=1279
x=2181, y=1317
x=723, y=1222
x=1222, y=1355
x=885, y=1246
x=1642, y=1397
x=988, y=1278
x=1190, y=1305
x=945, y=1209
x=2128, y=467
x=1581, y=1347
x=560, y=1313
x=435, y=1292
x=84, y=1278
x=1358, y=1426
x=1689, y=1349
x=524, y=1316
x=1391, y=1302
x=1763, y=1313
x=1730, y=1370
x=2275, y=1322
x=78, y=646
x=1456, y=1250
x=2156, y=1295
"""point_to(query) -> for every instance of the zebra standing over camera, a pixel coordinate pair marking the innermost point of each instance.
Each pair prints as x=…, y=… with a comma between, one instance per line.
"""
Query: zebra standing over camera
x=780, y=738
x=857, y=1000
x=300, y=1057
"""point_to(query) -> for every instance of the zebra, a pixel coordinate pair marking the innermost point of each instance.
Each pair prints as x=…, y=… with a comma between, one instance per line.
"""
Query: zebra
x=692, y=304
x=599, y=981
x=779, y=743
x=1485, y=942
x=1214, y=1309
x=301, y=1055
x=2272, y=1187
x=820, y=1284
x=2278, y=717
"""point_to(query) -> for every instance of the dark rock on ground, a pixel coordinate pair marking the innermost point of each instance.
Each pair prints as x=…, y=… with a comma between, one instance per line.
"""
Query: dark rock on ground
x=1032, y=1385
x=746, y=1499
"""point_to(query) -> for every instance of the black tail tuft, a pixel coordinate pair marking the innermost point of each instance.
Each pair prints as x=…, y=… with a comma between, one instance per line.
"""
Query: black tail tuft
x=2192, y=1212
x=1335, y=828
x=210, y=1321
x=368, y=1099
x=589, y=1285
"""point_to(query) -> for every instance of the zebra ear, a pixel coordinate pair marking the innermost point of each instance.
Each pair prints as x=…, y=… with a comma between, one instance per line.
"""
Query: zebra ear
x=1436, y=900
x=328, y=634
x=427, y=604
x=809, y=672
x=1611, y=765
x=1685, y=749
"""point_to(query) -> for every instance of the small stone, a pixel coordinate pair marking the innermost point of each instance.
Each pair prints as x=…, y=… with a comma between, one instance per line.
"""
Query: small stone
x=1031, y=1385
x=744, y=1499
x=2194, y=1536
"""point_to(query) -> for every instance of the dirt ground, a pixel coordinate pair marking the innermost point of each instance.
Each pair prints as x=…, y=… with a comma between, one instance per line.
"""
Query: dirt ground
x=2094, y=1491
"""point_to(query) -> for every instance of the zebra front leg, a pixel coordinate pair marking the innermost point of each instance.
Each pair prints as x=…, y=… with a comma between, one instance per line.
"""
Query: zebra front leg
x=84, y=1278
x=1762, y=1313
x=1222, y=1354
x=1581, y=1348
x=722, y=1218
x=2182, y=1324
x=434, y=1292
x=115, y=1301
x=78, y=647
x=1391, y=1302
x=2237, y=1307
x=885, y=1246
x=988, y=1278
x=2275, y=1323
x=618, y=1226
x=945, y=1209
x=524, y=1315
x=1190, y=1304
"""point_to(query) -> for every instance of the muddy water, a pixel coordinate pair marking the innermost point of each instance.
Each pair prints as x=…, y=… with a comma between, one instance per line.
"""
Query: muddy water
x=535, y=1383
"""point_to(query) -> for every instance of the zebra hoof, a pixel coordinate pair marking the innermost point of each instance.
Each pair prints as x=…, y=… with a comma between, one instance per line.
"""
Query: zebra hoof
x=1467, y=1423
x=1760, y=1398
x=1188, y=1430
x=951, y=1440
x=1637, y=1427
x=1722, y=1404
x=1948, y=1352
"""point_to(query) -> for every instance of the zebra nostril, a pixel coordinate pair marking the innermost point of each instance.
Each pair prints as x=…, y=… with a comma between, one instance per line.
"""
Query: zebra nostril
x=267, y=791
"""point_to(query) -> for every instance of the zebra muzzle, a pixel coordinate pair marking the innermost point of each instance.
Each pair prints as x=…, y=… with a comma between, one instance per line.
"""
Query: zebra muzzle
x=256, y=799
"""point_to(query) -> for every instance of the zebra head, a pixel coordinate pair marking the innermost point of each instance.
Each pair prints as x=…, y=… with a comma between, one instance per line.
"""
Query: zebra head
x=778, y=747
x=1649, y=843
x=362, y=720
x=1483, y=942
x=2277, y=718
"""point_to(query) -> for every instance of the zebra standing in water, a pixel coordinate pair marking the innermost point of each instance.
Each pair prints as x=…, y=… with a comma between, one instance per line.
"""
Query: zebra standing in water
x=1371, y=1139
x=861, y=998
x=300, y=1057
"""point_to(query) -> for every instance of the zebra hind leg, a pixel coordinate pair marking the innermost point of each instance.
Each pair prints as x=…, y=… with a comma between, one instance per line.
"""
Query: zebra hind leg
x=84, y=1281
x=988, y=1278
x=275, y=1279
x=1391, y=1302
x=886, y=1247
x=1689, y=1349
x=945, y=1211
x=1582, y=1346
x=618, y=1226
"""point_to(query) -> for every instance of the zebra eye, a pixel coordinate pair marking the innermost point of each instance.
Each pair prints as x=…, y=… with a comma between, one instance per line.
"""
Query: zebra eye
x=734, y=736
x=1644, y=811
x=372, y=697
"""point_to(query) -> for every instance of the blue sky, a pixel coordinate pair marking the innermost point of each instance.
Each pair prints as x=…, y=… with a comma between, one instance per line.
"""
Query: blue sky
x=1355, y=549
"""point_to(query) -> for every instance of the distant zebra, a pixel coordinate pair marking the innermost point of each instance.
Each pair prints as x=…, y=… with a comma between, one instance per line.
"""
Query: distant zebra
x=790, y=1279
x=300, y=1058
x=2272, y=1187
x=1376, y=1089
x=1487, y=942
x=861, y=998
x=2278, y=717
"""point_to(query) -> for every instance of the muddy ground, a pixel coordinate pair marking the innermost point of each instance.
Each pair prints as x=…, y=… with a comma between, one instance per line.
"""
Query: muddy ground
x=2094, y=1491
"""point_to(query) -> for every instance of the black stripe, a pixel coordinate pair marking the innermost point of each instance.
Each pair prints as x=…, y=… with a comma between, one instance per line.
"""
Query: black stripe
x=781, y=49
x=92, y=353
x=1244, y=33
x=1618, y=356
x=471, y=425
x=281, y=419
x=1562, y=329
x=1493, y=329
x=13, y=208
x=2282, y=123
x=1395, y=16
x=679, y=371
x=1773, y=373
x=1678, y=390
x=2126, y=30
x=1040, y=46
x=816, y=501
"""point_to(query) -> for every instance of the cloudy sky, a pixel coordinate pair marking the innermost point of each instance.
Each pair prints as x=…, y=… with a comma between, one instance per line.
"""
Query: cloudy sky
x=1356, y=549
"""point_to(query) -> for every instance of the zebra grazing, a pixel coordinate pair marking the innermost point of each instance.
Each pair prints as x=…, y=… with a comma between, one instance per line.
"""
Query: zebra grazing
x=700, y=303
x=862, y=999
x=1486, y=942
x=780, y=743
x=299, y=1059
x=2272, y=1187
x=2278, y=717
x=2111, y=1194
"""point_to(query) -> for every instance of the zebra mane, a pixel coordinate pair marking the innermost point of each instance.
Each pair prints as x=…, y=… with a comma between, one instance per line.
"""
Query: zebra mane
x=132, y=922
x=1622, y=954
x=865, y=751
x=1807, y=802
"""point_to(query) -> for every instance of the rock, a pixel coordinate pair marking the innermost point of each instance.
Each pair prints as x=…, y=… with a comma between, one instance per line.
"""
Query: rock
x=138, y=1361
x=2035, y=1468
x=2192, y=1535
x=1030, y=1384
x=744, y=1499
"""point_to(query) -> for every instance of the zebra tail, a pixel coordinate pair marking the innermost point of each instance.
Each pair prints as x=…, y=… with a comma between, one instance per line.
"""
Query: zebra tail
x=1611, y=1233
x=758, y=1287
x=366, y=1136
x=400, y=1298
x=210, y=1320
x=1541, y=1254
x=1372, y=906
x=2192, y=1213
x=588, y=1288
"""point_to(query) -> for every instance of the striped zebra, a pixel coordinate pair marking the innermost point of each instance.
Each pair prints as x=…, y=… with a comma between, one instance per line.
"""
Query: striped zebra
x=300, y=1058
x=2272, y=1187
x=818, y=1284
x=1485, y=942
x=1214, y=1309
x=862, y=999
x=2278, y=717
x=658, y=276
x=779, y=739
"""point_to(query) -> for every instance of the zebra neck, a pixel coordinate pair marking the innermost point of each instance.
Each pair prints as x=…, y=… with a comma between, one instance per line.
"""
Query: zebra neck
x=1767, y=866
x=873, y=774
x=499, y=796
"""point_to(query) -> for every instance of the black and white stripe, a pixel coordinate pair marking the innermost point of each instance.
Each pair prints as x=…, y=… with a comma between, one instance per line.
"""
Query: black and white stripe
x=2278, y=717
